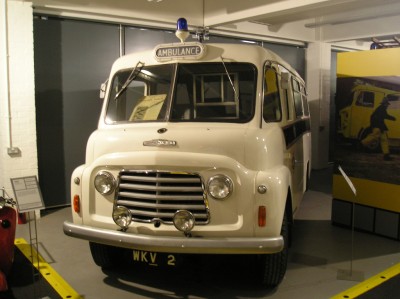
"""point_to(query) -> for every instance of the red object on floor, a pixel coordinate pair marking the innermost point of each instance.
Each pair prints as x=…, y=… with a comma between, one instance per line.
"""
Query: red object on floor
x=8, y=223
x=3, y=282
x=21, y=218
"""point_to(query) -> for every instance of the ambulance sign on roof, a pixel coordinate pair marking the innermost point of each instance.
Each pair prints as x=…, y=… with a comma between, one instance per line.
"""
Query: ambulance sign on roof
x=179, y=51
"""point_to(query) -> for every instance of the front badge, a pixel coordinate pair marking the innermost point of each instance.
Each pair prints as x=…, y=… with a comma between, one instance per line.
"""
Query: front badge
x=160, y=142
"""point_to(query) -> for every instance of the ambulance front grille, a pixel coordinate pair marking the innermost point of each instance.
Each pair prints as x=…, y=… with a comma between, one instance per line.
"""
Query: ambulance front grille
x=153, y=196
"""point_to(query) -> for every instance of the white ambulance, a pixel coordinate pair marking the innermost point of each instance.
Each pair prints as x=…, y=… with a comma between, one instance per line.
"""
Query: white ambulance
x=200, y=149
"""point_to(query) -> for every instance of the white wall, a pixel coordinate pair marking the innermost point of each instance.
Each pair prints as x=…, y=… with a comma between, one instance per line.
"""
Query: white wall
x=318, y=61
x=20, y=104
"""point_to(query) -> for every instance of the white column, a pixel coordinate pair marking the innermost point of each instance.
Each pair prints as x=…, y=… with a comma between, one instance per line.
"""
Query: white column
x=318, y=64
x=17, y=103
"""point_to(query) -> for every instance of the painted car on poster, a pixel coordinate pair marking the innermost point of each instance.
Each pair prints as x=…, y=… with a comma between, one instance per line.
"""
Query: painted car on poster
x=354, y=119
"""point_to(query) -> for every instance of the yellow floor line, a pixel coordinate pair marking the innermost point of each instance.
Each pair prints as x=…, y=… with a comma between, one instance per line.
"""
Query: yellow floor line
x=52, y=277
x=369, y=284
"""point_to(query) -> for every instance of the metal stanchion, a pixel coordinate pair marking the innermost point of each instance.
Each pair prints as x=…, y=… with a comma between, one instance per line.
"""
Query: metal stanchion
x=350, y=274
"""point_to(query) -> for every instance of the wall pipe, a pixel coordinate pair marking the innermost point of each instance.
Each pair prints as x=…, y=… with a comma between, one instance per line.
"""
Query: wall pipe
x=7, y=73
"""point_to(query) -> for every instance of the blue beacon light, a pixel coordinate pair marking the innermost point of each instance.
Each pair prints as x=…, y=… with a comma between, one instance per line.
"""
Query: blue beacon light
x=181, y=24
x=182, y=31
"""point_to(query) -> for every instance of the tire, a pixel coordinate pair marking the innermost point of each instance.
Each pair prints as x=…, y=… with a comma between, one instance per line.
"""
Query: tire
x=272, y=267
x=106, y=256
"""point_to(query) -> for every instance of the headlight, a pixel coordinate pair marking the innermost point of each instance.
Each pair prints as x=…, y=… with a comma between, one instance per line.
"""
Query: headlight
x=220, y=186
x=104, y=182
x=122, y=217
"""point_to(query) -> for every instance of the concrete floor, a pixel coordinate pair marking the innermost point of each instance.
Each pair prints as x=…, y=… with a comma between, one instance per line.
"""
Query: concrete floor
x=319, y=252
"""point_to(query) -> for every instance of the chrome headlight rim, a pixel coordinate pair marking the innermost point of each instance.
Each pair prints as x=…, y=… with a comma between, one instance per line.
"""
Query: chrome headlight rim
x=109, y=180
x=219, y=193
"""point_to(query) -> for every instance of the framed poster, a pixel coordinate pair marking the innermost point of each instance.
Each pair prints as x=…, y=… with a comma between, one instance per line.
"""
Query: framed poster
x=367, y=141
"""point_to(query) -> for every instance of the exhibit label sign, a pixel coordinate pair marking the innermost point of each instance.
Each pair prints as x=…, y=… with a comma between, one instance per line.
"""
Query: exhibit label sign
x=27, y=193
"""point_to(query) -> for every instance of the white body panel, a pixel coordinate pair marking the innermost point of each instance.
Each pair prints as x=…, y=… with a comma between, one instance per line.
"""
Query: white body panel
x=254, y=153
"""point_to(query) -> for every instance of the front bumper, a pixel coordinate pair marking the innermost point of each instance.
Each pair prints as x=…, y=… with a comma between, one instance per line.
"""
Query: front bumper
x=175, y=244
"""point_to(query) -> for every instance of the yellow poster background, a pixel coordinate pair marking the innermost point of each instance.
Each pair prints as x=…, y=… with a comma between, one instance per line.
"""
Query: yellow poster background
x=381, y=65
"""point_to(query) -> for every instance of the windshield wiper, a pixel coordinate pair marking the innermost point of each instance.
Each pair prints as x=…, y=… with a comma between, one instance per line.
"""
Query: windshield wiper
x=230, y=80
x=136, y=70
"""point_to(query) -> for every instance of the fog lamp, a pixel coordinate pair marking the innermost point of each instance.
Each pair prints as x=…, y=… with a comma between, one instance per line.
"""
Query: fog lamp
x=104, y=182
x=183, y=221
x=122, y=217
x=220, y=186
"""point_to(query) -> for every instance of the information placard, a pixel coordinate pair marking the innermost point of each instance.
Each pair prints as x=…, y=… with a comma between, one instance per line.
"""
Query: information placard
x=27, y=193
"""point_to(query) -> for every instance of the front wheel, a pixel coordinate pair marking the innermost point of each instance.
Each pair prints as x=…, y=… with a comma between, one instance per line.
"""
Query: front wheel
x=106, y=256
x=272, y=267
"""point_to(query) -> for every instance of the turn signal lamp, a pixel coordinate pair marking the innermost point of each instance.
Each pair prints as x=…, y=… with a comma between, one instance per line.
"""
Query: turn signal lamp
x=77, y=203
x=182, y=29
x=262, y=216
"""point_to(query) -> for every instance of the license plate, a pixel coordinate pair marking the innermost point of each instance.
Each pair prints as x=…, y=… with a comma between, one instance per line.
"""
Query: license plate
x=154, y=258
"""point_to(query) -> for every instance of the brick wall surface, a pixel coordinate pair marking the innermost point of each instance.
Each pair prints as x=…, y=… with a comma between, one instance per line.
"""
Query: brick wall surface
x=21, y=103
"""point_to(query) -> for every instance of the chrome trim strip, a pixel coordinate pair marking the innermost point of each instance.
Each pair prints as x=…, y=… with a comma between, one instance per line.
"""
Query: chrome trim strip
x=175, y=244
x=160, y=142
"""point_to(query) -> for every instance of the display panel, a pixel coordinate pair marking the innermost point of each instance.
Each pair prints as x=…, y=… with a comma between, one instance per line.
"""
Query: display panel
x=367, y=144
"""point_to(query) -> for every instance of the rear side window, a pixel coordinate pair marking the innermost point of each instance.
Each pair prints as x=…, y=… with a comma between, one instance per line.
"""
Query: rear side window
x=298, y=101
x=272, y=104
x=304, y=100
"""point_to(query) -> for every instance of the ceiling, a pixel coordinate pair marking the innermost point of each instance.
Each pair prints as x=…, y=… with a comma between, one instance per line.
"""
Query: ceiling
x=343, y=23
x=321, y=12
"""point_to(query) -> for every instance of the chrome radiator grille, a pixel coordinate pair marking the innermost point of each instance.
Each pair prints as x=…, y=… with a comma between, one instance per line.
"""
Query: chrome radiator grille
x=155, y=196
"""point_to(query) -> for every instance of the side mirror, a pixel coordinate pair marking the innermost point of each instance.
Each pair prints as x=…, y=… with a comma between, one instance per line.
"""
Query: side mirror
x=285, y=80
x=103, y=88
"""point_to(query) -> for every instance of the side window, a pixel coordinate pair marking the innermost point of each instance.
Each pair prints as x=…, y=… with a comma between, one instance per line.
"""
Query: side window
x=287, y=94
x=304, y=100
x=298, y=101
x=394, y=100
x=366, y=99
x=272, y=105
x=289, y=112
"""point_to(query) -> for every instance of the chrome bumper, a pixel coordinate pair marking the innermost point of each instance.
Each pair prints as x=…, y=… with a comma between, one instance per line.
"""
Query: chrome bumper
x=175, y=244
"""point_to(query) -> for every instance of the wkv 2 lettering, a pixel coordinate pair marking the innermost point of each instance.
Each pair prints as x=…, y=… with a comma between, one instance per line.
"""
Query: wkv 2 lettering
x=152, y=259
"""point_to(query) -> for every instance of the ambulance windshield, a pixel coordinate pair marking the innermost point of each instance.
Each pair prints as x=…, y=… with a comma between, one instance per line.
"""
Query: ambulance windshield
x=202, y=93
